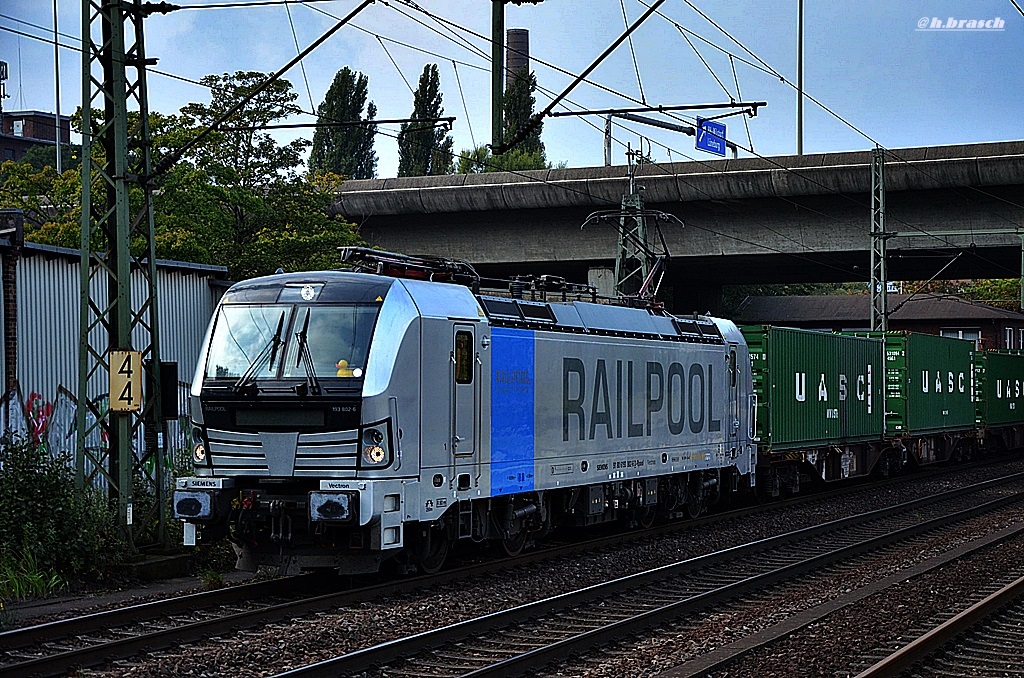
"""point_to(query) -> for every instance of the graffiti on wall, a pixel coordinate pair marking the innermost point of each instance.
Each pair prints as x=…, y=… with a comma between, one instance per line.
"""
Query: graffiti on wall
x=53, y=424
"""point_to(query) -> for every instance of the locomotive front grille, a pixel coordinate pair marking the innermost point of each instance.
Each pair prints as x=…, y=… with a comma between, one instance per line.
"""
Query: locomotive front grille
x=275, y=454
x=238, y=452
x=319, y=453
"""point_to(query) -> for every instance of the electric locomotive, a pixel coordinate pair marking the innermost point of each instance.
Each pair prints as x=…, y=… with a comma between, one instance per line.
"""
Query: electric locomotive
x=346, y=419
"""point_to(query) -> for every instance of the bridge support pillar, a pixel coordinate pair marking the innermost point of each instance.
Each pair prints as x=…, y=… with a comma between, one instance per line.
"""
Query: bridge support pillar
x=603, y=279
x=693, y=296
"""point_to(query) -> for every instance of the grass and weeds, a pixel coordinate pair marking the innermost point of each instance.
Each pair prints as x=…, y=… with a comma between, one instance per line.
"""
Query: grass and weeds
x=25, y=579
x=211, y=579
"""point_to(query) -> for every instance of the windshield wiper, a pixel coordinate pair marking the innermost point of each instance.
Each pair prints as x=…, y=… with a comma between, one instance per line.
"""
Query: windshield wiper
x=270, y=350
x=304, y=357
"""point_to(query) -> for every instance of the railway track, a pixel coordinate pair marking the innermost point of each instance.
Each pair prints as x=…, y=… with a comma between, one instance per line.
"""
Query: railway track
x=58, y=647
x=526, y=638
x=987, y=639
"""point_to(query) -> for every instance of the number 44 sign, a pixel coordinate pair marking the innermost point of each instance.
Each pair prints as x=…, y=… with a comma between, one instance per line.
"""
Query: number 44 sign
x=125, y=381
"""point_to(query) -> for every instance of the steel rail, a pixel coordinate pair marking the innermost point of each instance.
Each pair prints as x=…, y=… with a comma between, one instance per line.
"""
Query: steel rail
x=723, y=658
x=910, y=654
x=387, y=652
x=96, y=623
x=541, y=657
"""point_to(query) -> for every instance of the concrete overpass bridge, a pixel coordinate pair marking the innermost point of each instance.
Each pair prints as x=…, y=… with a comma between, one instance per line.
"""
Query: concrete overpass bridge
x=784, y=219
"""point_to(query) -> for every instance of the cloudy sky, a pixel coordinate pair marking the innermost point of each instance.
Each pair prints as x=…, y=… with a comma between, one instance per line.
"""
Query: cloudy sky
x=865, y=59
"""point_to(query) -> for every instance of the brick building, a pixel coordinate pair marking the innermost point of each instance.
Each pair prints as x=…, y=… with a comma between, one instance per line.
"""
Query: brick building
x=21, y=130
x=949, y=316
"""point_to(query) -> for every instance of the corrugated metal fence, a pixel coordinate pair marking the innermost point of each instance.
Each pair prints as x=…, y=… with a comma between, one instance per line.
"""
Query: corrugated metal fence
x=48, y=281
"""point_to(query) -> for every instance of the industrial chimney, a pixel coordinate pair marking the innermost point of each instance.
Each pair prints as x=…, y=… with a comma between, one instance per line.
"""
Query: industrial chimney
x=517, y=52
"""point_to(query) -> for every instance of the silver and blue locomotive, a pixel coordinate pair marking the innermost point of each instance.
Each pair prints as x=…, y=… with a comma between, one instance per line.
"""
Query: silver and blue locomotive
x=345, y=419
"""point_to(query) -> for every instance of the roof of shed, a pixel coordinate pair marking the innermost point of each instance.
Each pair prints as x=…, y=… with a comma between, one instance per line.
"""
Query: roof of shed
x=857, y=308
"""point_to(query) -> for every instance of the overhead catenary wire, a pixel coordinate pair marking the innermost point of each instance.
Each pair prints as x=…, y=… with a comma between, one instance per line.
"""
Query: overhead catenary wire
x=302, y=63
x=521, y=174
x=196, y=82
x=465, y=108
x=171, y=158
x=769, y=69
x=636, y=66
x=915, y=166
x=450, y=33
x=535, y=119
x=530, y=177
x=626, y=97
x=739, y=95
x=791, y=170
x=242, y=4
x=395, y=64
x=706, y=65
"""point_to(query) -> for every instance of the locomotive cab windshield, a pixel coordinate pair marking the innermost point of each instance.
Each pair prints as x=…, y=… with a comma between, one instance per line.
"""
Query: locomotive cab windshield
x=290, y=342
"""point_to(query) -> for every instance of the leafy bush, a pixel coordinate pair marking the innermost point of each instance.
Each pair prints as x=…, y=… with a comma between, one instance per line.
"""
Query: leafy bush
x=46, y=523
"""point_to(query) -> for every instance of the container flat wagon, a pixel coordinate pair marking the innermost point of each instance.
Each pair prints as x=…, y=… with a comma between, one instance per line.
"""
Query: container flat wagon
x=929, y=396
x=999, y=389
x=820, y=407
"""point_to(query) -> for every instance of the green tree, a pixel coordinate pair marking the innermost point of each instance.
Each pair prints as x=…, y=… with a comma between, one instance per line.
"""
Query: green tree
x=248, y=207
x=423, y=149
x=518, y=109
x=474, y=160
x=244, y=156
x=529, y=154
x=300, y=230
x=51, y=202
x=238, y=199
x=345, y=150
x=479, y=159
x=46, y=156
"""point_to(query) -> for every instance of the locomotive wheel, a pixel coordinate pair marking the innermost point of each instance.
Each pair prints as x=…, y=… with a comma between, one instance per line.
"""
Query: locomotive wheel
x=513, y=543
x=435, y=551
x=695, y=496
x=694, y=507
x=645, y=516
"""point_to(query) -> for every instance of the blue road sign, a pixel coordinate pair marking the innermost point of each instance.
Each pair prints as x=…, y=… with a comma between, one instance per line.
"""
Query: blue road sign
x=711, y=136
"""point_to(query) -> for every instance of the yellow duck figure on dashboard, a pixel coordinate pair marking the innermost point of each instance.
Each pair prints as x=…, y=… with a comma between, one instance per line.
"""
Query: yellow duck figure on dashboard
x=343, y=368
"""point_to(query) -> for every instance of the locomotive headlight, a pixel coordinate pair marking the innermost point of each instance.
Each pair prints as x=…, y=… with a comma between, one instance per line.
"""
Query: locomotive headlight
x=199, y=453
x=374, y=454
x=375, y=446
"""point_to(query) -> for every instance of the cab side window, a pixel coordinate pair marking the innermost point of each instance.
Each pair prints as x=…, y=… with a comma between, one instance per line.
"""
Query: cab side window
x=463, y=358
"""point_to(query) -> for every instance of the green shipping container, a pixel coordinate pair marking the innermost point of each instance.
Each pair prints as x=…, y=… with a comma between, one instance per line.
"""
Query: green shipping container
x=999, y=382
x=927, y=384
x=815, y=388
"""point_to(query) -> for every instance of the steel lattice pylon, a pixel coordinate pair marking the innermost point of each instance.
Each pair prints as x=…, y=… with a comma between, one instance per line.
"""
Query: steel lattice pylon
x=632, y=263
x=116, y=213
x=879, y=281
